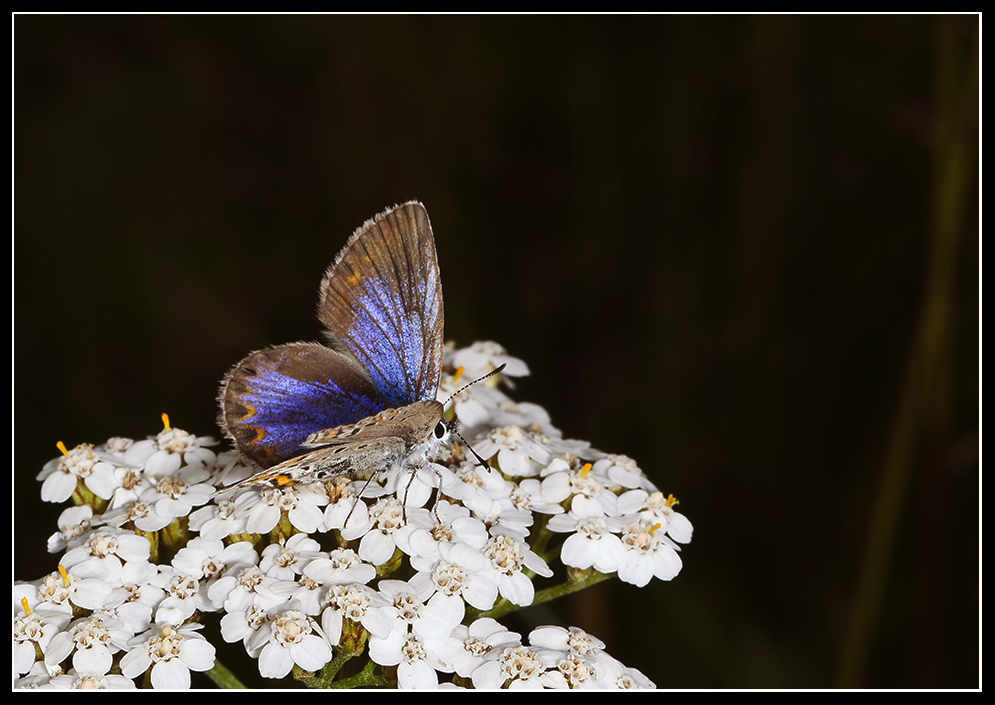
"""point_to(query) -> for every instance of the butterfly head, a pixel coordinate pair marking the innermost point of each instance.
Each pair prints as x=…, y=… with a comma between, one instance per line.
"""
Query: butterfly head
x=450, y=427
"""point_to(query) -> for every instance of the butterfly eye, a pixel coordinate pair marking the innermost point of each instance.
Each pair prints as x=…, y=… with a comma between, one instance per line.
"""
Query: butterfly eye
x=440, y=430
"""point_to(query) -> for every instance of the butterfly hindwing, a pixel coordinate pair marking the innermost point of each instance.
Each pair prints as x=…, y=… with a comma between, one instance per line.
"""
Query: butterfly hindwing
x=275, y=398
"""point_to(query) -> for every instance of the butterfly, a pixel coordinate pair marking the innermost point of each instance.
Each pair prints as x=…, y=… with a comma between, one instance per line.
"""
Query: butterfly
x=365, y=401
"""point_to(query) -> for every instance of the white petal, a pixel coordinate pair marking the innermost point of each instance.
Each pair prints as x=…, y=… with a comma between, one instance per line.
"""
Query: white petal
x=417, y=675
x=311, y=653
x=197, y=654
x=58, y=487
x=679, y=528
x=136, y=661
x=172, y=674
x=274, y=661
x=376, y=548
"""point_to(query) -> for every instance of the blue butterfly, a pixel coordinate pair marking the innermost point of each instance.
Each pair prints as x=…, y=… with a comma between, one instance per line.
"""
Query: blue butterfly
x=366, y=400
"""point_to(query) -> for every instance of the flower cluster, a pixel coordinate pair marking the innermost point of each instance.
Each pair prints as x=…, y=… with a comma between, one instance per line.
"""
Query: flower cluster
x=394, y=580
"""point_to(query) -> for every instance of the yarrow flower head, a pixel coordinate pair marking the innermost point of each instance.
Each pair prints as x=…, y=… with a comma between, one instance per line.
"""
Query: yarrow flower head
x=389, y=578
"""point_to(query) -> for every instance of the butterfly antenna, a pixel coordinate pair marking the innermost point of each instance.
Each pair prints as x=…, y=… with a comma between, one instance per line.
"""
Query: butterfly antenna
x=481, y=462
x=479, y=379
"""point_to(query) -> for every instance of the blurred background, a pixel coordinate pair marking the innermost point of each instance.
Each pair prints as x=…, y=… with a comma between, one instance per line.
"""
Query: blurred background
x=741, y=250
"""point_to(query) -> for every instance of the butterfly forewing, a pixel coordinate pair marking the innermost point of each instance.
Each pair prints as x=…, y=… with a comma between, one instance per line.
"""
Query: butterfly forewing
x=382, y=299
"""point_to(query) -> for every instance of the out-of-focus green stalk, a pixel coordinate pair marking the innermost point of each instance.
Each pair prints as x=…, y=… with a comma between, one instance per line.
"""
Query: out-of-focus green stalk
x=955, y=158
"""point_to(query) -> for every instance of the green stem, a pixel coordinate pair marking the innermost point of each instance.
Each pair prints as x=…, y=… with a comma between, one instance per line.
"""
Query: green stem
x=363, y=679
x=223, y=678
x=578, y=580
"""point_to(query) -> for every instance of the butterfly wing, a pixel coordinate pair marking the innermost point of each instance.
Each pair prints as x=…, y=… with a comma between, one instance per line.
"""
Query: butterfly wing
x=275, y=398
x=382, y=300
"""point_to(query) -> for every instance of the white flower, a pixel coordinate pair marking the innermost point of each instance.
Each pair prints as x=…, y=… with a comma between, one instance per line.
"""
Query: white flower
x=74, y=522
x=531, y=495
x=92, y=641
x=61, y=475
x=225, y=517
x=287, y=561
x=207, y=560
x=50, y=593
x=357, y=603
x=506, y=557
x=620, y=470
x=36, y=680
x=517, y=451
x=587, y=481
x=485, y=356
x=291, y=637
x=591, y=543
x=304, y=506
x=412, y=485
x=457, y=575
x=141, y=514
x=469, y=646
x=104, y=553
x=130, y=483
x=503, y=519
x=175, y=494
x=73, y=680
x=573, y=639
x=344, y=505
x=116, y=446
x=526, y=414
x=340, y=567
x=242, y=587
x=136, y=597
x=242, y=624
x=661, y=509
x=172, y=652
x=447, y=523
x=617, y=675
x=63, y=590
x=171, y=448
x=517, y=667
x=416, y=657
x=378, y=545
x=181, y=599
x=229, y=467
x=648, y=553
x=478, y=488
x=405, y=606
x=263, y=509
x=579, y=672
x=35, y=629
x=306, y=593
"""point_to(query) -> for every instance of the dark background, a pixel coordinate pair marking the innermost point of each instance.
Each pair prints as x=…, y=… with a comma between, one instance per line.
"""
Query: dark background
x=742, y=250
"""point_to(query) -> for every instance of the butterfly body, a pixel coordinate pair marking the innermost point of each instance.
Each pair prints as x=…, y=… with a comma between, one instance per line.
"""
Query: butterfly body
x=393, y=437
x=365, y=401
